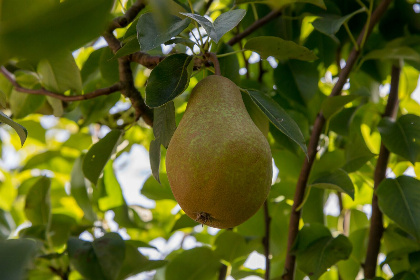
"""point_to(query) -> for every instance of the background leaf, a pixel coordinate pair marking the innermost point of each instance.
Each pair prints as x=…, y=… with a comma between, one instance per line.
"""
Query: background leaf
x=16, y=257
x=38, y=205
x=281, y=49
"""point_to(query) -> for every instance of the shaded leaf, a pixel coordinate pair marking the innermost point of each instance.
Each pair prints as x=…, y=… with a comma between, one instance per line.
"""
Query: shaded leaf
x=334, y=104
x=402, y=52
x=110, y=251
x=192, y=264
x=38, y=205
x=281, y=49
x=78, y=189
x=131, y=46
x=157, y=191
x=168, y=79
x=398, y=199
x=59, y=73
x=16, y=256
x=154, y=157
x=20, y=130
x=150, y=35
x=53, y=28
x=135, y=262
x=324, y=251
x=402, y=137
x=338, y=180
x=164, y=123
x=205, y=23
x=278, y=117
x=99, y=154
x=330, y=24
x=184, y=222
x=230, y=245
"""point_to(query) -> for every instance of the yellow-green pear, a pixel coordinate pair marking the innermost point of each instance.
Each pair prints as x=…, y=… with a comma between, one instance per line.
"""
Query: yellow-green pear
x=218, y=162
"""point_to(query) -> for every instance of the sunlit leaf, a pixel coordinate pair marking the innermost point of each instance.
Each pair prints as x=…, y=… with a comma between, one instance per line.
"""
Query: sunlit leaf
x=20, y=130
x=99, y=154
x=153, y=190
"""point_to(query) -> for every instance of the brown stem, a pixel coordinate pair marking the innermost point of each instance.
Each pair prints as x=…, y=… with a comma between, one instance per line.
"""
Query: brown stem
x=266, y=241
x=376, y=222
x=213, y=58
x=222, y=272
x=289, y=268
x=42, y=91
x=257, y=24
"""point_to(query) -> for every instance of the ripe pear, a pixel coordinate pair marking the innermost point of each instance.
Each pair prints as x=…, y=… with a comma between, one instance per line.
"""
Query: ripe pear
x=218, y=162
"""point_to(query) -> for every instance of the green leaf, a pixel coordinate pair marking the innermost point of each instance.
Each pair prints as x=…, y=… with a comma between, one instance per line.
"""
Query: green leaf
x=49, y=29
x=198, y=263
x=57, y=106
x=157, y=191
x=229, y=65
x=23, y=104
x=334, y=104
x=398, y=199
x=110, y=251
x=164, y=123
x=315, y=257
x=406, y=275
x=184, y=41
x=184, y=222
x=84, y=259
x=60, y=73
x=230, y=245
x=38, y=205
x=7, y=224
x=78, y=189
x=150, y=35
x=204, y=22
x=135, y=263
x=281, y=49
x=154, y=158
x=402, y=137
x=402, y=52
x=16, y=257
x=97, y=108
x=111, y=193
x=168, y=79
x=108, y=67
x=226, y=22
x=20, y=130
x=338, y=180
x=330, y=24
x=278, y=117
x=129, y=47
x=99, y=154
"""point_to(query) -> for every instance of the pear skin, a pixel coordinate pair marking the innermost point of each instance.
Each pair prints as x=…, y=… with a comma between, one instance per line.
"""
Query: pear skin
x=218, y=162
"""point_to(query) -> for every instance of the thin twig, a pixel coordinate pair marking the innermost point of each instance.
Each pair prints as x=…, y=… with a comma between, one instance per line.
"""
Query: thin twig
x=266, y=241
x=257, y=24
x=376, y=222
x=42, y=91
x=289, y=268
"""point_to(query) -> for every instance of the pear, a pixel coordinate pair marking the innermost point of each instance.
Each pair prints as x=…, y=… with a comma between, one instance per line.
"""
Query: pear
x=218, y=162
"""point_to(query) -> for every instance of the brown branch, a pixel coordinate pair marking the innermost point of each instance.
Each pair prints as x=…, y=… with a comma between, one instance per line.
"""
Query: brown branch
x=42, y=91
x=289, y=268
x=128, y=17
x=266, y=241
x=213, y=58
x=257, y=24
x=376, y=221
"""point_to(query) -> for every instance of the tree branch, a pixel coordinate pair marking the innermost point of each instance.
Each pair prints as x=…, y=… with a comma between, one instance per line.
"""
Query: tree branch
x=42, y=91
x=128, y=17
x=266, y=241
x=376, y=222
x=257, y=24
x=213, y=58
x=222, y=272
x=289, y=268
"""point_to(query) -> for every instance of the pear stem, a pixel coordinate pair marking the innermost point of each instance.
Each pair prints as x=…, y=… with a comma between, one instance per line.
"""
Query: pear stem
x=213, y=58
